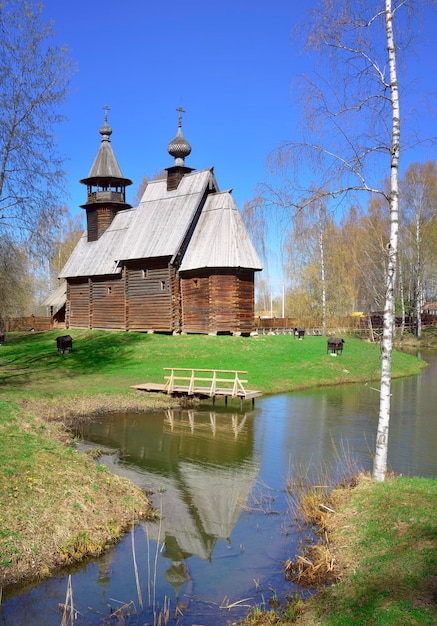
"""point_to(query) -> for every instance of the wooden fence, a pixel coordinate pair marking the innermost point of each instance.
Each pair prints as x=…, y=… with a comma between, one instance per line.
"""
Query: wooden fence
x=34, y=322
x=352, y=323
x=312, y=325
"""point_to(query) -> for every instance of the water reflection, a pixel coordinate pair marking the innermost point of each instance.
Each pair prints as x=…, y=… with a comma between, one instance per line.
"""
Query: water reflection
x=202, y=468
x=220, y=480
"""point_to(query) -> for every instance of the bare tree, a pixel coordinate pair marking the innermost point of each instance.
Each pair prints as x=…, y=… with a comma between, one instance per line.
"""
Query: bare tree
x=34, y=76
x=351, y=135
x=69, y=230
x=310, y=228
x=15, y=289
x=419, y=194
x=159, y=175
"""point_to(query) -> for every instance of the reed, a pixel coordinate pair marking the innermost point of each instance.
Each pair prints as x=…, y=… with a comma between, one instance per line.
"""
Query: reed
x=68, y=615
x=160, y=616
x=158, y=549
x=134, y=557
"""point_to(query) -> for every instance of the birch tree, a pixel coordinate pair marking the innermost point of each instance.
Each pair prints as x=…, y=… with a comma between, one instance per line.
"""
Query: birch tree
x=419, y=194
x=380, y=462
x=351, y=135
x=309, y=237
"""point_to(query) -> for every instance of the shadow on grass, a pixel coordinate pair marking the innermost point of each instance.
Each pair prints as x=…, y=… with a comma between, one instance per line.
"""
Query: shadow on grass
x=35, y=356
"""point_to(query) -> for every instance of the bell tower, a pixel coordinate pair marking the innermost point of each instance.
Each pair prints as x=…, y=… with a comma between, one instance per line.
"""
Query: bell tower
x=106, y=187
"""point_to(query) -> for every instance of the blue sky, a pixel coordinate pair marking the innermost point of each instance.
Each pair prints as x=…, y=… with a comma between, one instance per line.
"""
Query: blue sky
x=230, y=64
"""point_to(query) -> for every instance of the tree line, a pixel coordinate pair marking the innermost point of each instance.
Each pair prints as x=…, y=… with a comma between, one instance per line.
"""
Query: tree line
x=35, y=75
x=333, y=264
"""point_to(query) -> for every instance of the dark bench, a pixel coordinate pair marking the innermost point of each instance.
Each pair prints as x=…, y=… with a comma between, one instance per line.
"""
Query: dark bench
x=335, y=345
x=64, y=343
x=299, y=333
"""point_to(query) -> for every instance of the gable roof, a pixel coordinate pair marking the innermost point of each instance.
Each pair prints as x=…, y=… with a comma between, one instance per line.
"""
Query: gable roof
x=58, y=298
x=220, y=238
x=159, y=226
x=163, y=218
x=99, y=258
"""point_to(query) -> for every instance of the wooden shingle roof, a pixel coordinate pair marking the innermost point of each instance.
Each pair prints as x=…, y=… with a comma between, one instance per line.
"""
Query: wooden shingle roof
x=57, y=298
x=220, y=238
x=159, y=227
x=105, y=166
x=163, y=217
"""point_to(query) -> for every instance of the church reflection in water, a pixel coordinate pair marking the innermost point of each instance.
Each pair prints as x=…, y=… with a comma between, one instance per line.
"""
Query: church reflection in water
x=200, y=466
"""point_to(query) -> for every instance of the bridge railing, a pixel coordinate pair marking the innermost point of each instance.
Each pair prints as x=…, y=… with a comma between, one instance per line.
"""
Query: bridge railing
x=211, y=382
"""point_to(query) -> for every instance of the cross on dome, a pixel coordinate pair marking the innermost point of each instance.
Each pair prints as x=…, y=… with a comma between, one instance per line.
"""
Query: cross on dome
x=179, y=148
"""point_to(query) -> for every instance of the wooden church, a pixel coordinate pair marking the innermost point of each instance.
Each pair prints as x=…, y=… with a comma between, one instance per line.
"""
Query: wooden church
x=182, y=261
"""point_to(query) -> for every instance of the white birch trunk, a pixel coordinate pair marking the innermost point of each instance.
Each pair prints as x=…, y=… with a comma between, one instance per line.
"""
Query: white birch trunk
x=418, y=276
x=402, y=296
x=380, y=461
x=322, y=275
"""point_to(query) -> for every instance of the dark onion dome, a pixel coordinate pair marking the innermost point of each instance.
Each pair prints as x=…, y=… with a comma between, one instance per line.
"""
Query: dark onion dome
x=105, y=131
x=179, y=148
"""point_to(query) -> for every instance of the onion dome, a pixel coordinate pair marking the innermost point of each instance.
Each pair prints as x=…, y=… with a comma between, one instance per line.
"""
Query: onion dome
x=105, y=130
x=179, y=148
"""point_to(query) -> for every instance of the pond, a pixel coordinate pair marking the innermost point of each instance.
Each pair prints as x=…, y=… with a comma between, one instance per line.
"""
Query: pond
x=219, y=478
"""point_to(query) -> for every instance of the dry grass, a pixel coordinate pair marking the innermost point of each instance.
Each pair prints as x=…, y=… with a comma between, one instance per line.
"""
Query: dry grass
x=316, y=506
x=72, y=410
x=382, y=541
x=314, y=567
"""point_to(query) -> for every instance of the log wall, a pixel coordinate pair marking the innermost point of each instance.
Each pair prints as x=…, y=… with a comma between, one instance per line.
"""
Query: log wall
x=219, y=302
x=98, y=220
x=195, y=308
x=77, y=310
x=149, y=296
x=107, y=303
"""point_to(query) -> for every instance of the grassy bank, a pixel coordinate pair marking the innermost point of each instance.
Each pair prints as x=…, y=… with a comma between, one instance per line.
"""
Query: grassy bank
x=383, y=541
x=57, y=505
x=108, y=363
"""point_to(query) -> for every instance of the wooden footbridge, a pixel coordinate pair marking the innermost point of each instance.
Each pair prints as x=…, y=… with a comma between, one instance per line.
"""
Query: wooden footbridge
x=204, y=383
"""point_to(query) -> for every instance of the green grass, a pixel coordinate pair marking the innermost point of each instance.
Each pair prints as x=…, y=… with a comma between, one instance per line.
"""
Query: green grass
x=387, y=536
x=57, y=505
x=110, y=362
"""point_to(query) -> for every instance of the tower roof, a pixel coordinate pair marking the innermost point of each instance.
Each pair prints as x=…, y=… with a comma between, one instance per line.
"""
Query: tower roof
x=105, y=166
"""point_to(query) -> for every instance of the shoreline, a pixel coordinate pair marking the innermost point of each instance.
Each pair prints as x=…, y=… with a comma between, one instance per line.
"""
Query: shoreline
x=68, y=510
x=86, y=512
